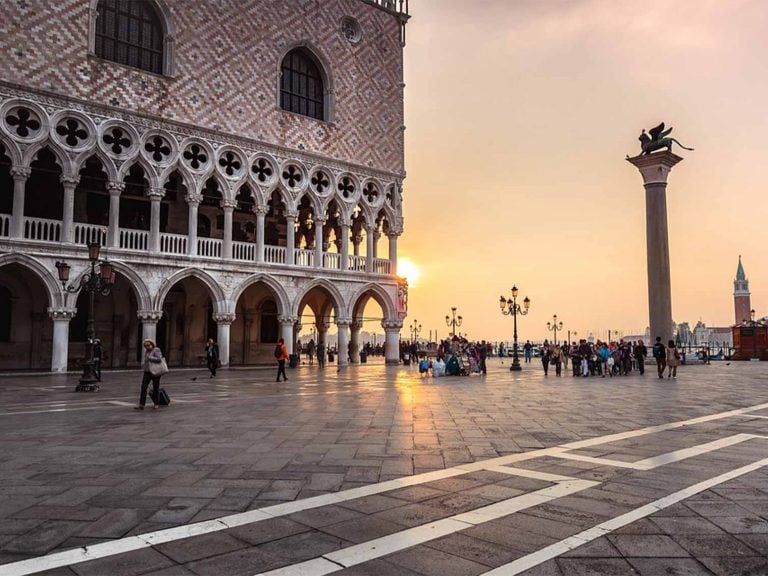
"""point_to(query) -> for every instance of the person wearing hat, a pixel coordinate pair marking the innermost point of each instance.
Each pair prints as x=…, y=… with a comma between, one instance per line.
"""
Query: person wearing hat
x=152, y=355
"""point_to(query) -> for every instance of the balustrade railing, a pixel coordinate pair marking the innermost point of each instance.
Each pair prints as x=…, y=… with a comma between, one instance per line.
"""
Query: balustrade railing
x=173, y=243
x=399, y=6
x=134, y=239
x=5, y=225
x=332, y=260
x=244, y=251
x=274, y=254
x=381, y=266
x=357, y=263
x=87, y=233
x=42, y=229
x=209, y=247
x=305, y=257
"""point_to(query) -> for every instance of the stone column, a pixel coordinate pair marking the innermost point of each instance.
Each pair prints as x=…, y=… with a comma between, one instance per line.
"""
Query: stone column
x=193, y=203
x=357, y=239
x=290, y=237
x=343, y=341
x=286, y=330
x=60, y=354
x=392, y=341
x=223, y=325
x=20, y=176
x=319, y=223
x=376, y=238
x=155, y=197
x=354, y=340
x=113, y=234
x=345, y=245
x=149, y=320
x=392, y=236
x=655, y=168
x=369, y=248
x=68, y=219
x=261, y=213
x=226, y=249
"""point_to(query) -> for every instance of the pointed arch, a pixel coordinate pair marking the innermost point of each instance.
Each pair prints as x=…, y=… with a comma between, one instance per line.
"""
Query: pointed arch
x=189, y=181
x=283, y=300
x=224, y=185
x=11, y=150
x=333, y=292
x=52, y=286
x=323, y=64
x=106, y=162
x=149, y=172
x=140, y=289
x=67, y=168
x=217, y=294
x=378, y=293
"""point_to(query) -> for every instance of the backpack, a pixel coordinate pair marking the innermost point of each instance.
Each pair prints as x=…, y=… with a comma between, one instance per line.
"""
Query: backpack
x=278, y=351
x=658, y=350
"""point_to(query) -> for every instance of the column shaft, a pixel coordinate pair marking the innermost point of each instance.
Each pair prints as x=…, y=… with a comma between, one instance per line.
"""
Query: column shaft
x=67, y=221
x=20, y=176
x=393, y=254
x=659, y=281
x=343, y=343
x=60, y=355
x=154, y=223
x=260, y=223
x=319, y=243
x=290, y=240
x=369, y=250
x=392, y=346
x=226, y=251
x=113, y=234
x=192, y=227
x=345, y=248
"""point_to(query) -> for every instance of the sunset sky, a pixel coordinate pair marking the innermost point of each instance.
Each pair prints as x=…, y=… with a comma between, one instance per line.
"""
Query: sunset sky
x=519, y=116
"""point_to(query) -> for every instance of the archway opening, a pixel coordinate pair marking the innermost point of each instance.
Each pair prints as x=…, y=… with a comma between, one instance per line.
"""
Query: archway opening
x=91, y=203
x=367, y=316
x=256, y=328
x=317, y=320
x=210, y=213
x=135, y=208
x=44, y=196
x=174, y=213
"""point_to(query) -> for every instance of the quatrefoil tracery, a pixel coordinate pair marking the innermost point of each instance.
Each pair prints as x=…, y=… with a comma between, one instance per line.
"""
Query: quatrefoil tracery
x=24, y=122
x=195, y=156
x=159, y=148
x=117, y=139
x=371, y=192
x=230, y=163
x=262, y=169
x=72, y=132
x=292, y=175
x=346, y=187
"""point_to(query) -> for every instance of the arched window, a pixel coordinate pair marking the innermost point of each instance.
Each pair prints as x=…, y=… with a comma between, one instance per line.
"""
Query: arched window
x=130, y=32
x=301, y=85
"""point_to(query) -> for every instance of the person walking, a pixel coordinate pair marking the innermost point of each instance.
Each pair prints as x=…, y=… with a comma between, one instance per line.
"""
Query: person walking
x=660, y=354
x=281, y=355
x=640, y=353
x=311, y=351
x=482, y=352
x=98, y=354
x=152, y=367
x=556, y=358
x=545, y=356
x=527, y=351
x=673, y=359
x=212, y=356
x=320, y=354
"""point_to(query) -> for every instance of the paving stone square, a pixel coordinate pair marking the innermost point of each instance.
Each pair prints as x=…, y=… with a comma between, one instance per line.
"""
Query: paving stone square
x=377, y=470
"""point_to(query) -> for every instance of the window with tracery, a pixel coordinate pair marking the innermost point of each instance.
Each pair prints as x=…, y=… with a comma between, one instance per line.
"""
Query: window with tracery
x=301, y=85
x=130, y=32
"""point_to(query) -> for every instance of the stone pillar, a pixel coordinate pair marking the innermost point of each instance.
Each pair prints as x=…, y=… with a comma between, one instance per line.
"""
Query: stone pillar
x=261, y=213
x=155, y=197
x=655, y=168
x=20, y=176
x=354, y=340
x=357, y=239
x=290, y=237
x=68, y=219
x=369, y=248
x=226, y=249
x=345, y=245
x=113, y=234
x=223, y=325
x=286, y=330
x=376, y=238
x=343, y=341
x=193, y=203
x=392, y=236
x=392, y=341
x=319, y=223
x=149, y=320
x=60, y=354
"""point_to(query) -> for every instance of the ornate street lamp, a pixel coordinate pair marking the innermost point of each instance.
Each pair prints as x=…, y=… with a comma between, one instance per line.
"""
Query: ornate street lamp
x=554, y=326
x=510, y=307
x=453, y=321
x=100, y=279
x=415, y=330
x=754, y=333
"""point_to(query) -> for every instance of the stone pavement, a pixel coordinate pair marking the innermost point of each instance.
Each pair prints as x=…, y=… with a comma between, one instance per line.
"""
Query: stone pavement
x=377, y=471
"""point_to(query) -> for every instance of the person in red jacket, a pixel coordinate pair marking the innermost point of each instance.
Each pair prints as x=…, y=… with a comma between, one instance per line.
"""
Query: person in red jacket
x=281, y=355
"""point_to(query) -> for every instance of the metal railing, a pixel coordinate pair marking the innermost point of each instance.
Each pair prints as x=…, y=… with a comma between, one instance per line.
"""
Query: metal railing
x=134, y=239
x=398, y=6
x=87, y=233
x=244, y=251
x=42, y=229
x=173, y=243
x=209, y=247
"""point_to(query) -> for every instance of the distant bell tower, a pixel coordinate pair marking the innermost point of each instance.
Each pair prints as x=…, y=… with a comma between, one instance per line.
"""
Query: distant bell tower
x=741, y=299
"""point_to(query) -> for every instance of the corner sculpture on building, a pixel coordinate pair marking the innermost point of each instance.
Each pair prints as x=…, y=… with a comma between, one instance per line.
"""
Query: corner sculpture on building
x=240, y=164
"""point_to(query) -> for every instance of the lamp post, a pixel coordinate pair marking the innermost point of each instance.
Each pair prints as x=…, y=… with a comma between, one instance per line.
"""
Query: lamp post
x=754, y=333
x=415, y=330
x=554, y=326
x=569, y=336
x=510, y=307
x=100, y=279
x=453, y=321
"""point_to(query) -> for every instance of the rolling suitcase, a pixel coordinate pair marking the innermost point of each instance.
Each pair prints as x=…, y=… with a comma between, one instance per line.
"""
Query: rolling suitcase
x=165, y=400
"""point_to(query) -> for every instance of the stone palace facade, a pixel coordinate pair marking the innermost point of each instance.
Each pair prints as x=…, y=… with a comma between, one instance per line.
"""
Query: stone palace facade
x=239, y=161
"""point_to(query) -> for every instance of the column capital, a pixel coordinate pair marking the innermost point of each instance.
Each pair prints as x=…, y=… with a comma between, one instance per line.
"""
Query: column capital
x=345, y=222
x=356, y=324
x=193, y=198
x=224, y=318
x=288, y=320
x=343, y=322
x=392, y=325
x=321, y=220
x=61, y=314
x=149, y=315
x=394, y=233
x=228, y=204
x=21, y=173
x=156, y=194
x=291, y=214
x=115, y=188
x=655, y=168
x=261, y=210
x=71, y=181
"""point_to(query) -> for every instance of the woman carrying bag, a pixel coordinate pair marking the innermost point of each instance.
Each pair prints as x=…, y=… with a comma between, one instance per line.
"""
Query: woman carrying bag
x=154, y=367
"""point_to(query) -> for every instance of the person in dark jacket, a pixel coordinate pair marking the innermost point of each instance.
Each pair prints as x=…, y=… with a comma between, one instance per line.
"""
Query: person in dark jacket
x=660, y=354
x=640, y=353
x=212, y=356
x=152, y=355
